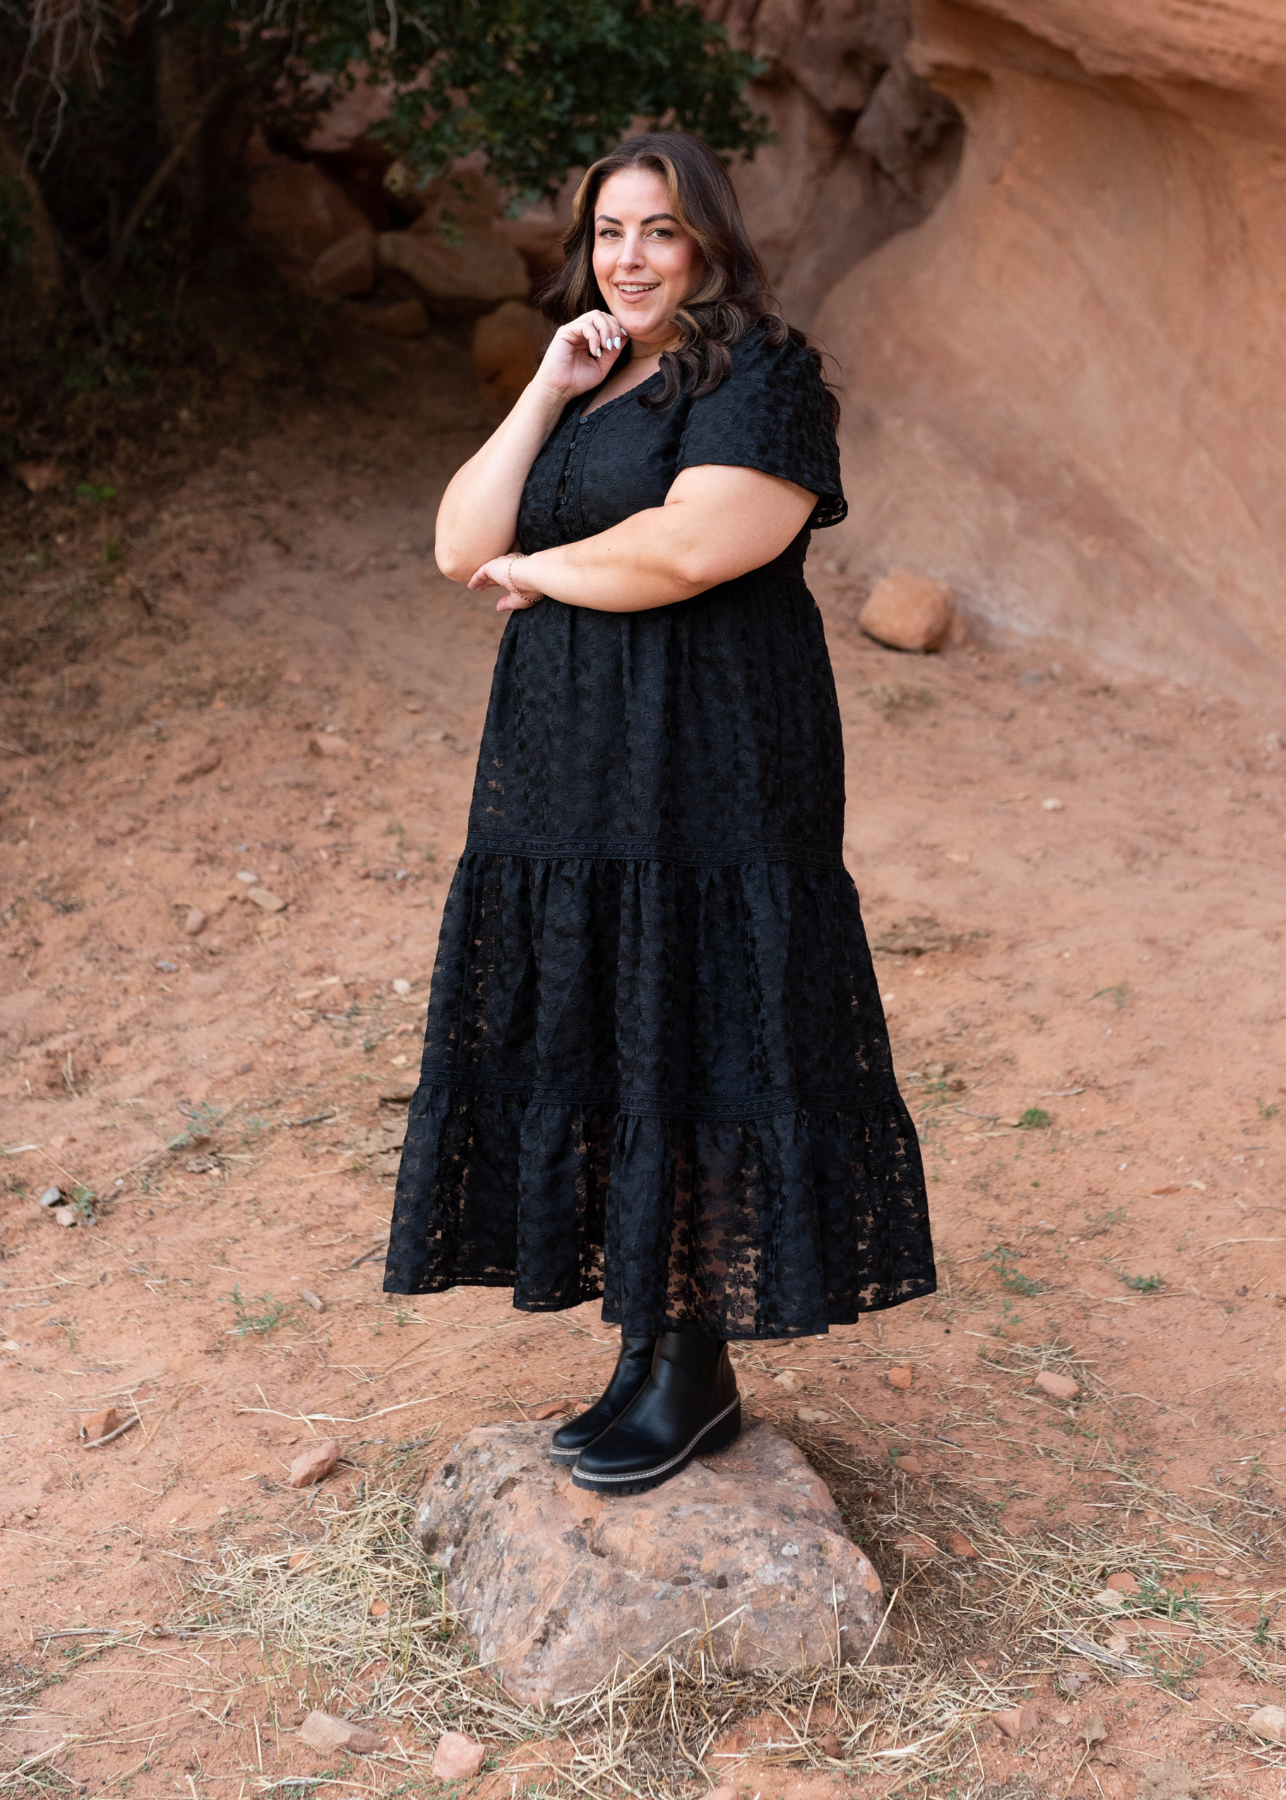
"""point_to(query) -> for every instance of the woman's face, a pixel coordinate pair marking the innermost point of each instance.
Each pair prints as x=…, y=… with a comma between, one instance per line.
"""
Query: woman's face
x=645, y=262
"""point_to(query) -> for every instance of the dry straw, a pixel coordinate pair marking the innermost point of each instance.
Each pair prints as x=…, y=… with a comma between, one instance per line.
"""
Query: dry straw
x=966, y=1637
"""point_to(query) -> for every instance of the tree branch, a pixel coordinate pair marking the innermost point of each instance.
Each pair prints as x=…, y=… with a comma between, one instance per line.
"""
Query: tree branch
x=137, y=212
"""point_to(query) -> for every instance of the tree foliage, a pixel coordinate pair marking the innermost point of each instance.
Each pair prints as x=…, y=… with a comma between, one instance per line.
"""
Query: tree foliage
x=538, y=88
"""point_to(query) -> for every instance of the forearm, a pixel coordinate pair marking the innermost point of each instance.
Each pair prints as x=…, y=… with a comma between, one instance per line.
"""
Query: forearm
x=478, y=517
x=647, y=560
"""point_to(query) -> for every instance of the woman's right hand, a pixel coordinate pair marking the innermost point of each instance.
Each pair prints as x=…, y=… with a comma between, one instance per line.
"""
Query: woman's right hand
x=582, y=354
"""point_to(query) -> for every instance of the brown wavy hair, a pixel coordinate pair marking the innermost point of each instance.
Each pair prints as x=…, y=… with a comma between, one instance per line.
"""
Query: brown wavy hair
x=732, y=296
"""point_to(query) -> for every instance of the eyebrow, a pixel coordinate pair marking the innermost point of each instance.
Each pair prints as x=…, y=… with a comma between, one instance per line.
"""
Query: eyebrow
x=652, y=219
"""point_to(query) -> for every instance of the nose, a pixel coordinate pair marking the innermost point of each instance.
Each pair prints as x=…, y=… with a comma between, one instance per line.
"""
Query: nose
x=631, y=256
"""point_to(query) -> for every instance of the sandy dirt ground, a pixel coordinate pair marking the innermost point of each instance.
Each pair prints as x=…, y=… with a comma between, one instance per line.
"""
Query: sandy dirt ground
x=1073, y=880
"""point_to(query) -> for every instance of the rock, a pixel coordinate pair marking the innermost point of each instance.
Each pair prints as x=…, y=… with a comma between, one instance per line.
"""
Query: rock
x=1093, y=1730
x=788, y=1380
x=457, y=1757
x=1017, y=1721
x=1053, y=805
x=829, y=1745
x=296, y=212
x=52, y=1196
x=195, y=922
x=11, y=1344
x=537, y=236
x=204, y=765
x=315, y=1463
x=1058, y=1387
x=247, y=876
x=959, y=1545
x=1108, y=1599
x=323, y=1731
x=346, y=268
x=299, y=1559
x=168, y=968
x=813, y=1415
x=554, y=1410
x=909, y=610
x=471, y=276
x=742, y=1553
x=401, y=986
x=946, y=442
x=508, y=345
x=38, y=477
x=97, y=1425
x=404, y=319
x=65, y=1215
x=1122, y=1583
x=264, y=897
x=314, y=1300
x=899, y=1377
x=329, y=743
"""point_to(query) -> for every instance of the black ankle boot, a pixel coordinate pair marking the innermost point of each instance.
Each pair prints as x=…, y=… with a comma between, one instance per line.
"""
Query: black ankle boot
x=633, y=1367
x=688, y=1407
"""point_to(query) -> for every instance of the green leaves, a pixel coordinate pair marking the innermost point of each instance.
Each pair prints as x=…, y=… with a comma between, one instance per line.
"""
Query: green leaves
x=538, y=89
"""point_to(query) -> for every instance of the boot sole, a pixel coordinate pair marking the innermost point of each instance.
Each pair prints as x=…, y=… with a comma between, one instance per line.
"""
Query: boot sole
x=564, y=1456
x=722, y=1430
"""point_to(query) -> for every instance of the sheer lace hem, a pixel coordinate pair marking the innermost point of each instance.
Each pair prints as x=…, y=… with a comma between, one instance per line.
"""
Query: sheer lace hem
x=773, y=1225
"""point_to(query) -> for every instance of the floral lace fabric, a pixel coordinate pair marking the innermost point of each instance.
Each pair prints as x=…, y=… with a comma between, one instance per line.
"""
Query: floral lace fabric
x=656, y=1067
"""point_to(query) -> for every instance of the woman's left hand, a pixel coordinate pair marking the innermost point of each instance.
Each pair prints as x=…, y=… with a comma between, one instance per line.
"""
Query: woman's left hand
x=506, y=572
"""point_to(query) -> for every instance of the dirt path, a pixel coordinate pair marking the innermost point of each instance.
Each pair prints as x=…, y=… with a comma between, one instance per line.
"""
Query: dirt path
x=1074, y=884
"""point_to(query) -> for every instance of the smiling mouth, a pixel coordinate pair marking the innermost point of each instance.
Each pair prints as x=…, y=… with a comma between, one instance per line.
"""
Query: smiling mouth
x=636, y=290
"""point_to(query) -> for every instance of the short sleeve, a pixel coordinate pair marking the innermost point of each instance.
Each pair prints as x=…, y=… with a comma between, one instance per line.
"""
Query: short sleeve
x=772, y=413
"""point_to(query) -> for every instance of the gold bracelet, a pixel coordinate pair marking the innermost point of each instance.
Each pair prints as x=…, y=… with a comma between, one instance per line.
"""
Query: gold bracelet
x=531, y=599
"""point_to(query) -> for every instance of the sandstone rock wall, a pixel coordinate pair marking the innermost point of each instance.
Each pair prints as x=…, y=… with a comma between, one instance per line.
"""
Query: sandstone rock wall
x=865, y=147
x=1066, y=389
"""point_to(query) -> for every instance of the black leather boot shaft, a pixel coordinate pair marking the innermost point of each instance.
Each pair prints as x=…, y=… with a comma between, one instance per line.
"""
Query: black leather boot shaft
x=633, y=1366
x=688, y=1407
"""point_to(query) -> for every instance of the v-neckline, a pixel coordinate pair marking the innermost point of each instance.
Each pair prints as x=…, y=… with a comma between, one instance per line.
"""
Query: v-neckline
x=582, y=417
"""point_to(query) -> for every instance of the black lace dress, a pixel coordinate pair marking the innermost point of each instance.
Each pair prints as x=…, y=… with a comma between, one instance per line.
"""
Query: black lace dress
x=656, y=1066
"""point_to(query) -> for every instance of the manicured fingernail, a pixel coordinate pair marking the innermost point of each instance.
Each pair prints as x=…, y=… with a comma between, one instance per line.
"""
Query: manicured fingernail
x=617, y=342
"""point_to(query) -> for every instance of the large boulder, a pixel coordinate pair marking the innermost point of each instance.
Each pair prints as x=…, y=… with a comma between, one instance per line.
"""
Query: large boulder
x=297, y=211
x=467, y=276
x=1066, y=390
x=742, y=1558
x=507, y=347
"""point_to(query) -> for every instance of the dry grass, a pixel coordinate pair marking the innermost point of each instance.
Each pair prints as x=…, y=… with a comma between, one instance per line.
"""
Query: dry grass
x=968, y=1635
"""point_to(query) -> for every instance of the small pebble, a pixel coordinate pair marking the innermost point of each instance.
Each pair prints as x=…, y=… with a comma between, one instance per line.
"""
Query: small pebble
x=322, y=1731
x=401, y=986
x=264, y=897
x=195, y=921
x=52, y=1196
x=457, y=1757
x=788, y=1380
x=315, y=1463
x=899, y=1378
x=248, y=876
x=314, y=1300
x=168, y=968
x=1058, y=1387
x=1269, y=1722
x=1122, y=1583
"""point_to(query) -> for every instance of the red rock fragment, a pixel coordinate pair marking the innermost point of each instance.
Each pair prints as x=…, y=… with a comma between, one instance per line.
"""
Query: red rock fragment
x=959, y=1545
x=1122, y=1583
x=323, y=1731
x=1058, y=1387
x=899, y=1377
x=315, y=1463
x=457, y=1757
x=98, y=1425
x=1017, y=1721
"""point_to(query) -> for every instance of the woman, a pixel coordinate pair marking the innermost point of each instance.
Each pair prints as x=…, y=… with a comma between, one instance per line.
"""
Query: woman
x=656, y=1067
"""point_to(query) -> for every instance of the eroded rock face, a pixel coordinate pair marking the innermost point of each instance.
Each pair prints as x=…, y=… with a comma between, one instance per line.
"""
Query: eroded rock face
x=864, y=145
x=1065, y=391
x=744, y=1556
